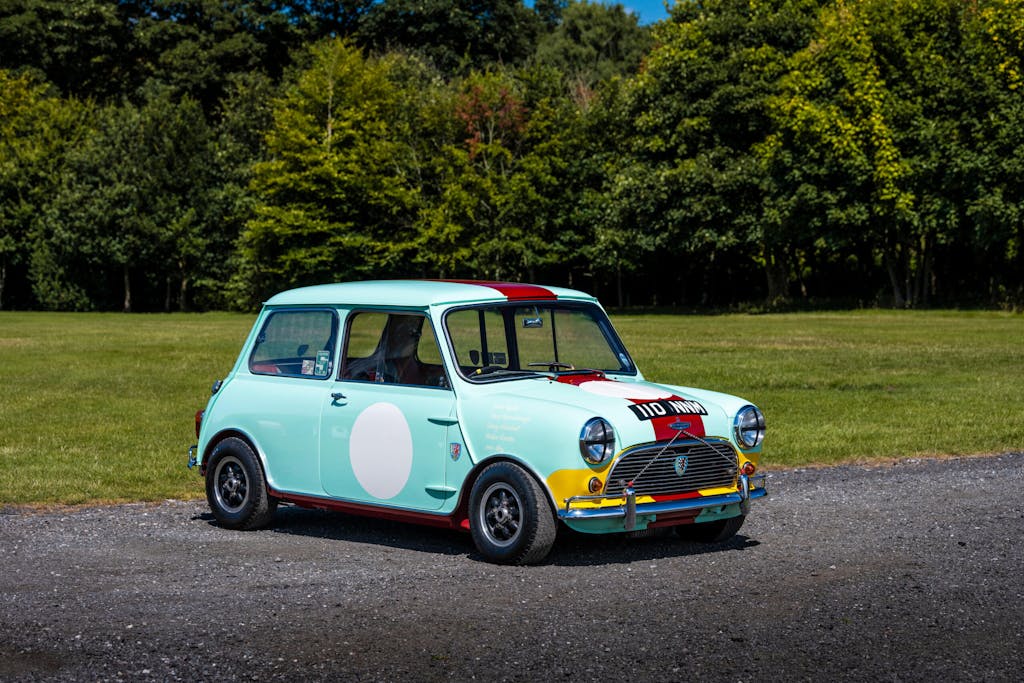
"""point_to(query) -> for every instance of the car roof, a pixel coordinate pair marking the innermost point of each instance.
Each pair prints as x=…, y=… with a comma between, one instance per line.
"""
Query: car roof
x=422, y=293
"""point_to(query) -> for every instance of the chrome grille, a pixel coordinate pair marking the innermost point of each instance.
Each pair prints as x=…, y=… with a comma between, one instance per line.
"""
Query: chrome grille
x=709, y=464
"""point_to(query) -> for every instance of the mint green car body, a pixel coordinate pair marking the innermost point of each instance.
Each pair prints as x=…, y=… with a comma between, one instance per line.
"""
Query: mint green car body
x=322, y=402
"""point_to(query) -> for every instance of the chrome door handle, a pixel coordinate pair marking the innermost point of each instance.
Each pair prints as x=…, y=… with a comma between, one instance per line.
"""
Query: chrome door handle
x=337, y=396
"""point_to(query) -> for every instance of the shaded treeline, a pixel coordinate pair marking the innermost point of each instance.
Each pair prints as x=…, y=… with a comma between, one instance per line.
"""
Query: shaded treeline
x=201, y=154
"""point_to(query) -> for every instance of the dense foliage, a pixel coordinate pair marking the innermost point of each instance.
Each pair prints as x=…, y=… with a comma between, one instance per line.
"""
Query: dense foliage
x=198, y=154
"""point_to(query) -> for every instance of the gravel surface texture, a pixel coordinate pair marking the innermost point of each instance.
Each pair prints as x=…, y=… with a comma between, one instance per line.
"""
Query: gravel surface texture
x=911, y=571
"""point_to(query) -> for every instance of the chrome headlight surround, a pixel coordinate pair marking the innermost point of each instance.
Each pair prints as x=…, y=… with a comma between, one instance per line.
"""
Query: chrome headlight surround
x=749, y=427
x=597, y=441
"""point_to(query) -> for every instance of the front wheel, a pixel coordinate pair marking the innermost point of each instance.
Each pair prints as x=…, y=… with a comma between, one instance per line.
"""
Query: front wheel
x=235, y=488
x=718, y=531
x=510, y=518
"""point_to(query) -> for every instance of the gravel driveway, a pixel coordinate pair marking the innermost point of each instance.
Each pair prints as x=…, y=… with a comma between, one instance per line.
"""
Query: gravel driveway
x=910, y=571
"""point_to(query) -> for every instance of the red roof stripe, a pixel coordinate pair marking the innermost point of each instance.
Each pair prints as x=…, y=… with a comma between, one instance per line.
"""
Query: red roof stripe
x=513, y=290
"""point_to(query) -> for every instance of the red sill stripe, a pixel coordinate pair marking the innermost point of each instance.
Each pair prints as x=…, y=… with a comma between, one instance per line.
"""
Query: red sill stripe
x=450, y=521
x=514, y=291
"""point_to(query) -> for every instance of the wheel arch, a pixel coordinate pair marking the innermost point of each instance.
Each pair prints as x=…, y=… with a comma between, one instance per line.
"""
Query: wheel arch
x=461, y=512
x=225, y=434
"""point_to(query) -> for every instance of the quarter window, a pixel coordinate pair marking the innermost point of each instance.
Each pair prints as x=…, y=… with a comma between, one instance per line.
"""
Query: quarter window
x=296, y=344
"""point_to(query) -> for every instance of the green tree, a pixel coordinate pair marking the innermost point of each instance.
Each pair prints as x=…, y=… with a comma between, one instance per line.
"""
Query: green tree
x=36, y=131
x=335, y=202
x=453, y=34
x=909, y=118
x=993, y=72
x=550, y=11
x=688, y=189
x=79, y=46
x=130, y=208
x=501, y=192
x=238, y=145
x=196, y=47
x=594, y=42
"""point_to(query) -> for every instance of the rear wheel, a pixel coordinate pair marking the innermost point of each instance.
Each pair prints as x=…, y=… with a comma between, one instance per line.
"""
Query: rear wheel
x=235, y=487
x=510, y=518
x=718, y=531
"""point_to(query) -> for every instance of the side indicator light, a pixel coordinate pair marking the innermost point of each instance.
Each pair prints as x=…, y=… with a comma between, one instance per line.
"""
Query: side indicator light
x=749, y=469
x=199, y=421
x=594, y=485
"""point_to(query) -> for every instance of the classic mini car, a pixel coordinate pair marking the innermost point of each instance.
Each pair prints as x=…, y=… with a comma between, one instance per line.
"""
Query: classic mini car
x=505, y=409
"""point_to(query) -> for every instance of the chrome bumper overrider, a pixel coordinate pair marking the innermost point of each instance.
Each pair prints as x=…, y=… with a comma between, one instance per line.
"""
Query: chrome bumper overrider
x=192, y=455
x=750, y=488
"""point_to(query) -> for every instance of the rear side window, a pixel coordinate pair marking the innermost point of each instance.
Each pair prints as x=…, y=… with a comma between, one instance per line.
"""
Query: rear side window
x=296, y=344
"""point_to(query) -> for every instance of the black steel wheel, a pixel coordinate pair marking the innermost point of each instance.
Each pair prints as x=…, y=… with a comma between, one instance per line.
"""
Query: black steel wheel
x=510, y=518
x=235, y=487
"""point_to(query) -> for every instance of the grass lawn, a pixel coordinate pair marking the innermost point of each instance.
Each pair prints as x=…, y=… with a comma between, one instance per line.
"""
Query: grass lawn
x=98, y=407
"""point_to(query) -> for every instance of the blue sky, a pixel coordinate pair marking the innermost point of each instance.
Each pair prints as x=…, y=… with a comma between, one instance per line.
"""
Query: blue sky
x=649, y=11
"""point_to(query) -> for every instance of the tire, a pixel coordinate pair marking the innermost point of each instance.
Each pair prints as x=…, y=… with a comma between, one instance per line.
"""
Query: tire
x=235, y=487
x=718, y=531
x=510, y=518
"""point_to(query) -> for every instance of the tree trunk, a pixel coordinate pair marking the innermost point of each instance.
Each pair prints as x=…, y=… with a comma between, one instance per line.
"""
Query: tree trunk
x=897, y=292
x=618, y=283
x=183, y=295
x=3, y=279
x=167, y=294
x=777, y=273
x=127, y=291
x=924, y=274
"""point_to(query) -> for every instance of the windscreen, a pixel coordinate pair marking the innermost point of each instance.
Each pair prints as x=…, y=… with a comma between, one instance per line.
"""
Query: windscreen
x=502, y=340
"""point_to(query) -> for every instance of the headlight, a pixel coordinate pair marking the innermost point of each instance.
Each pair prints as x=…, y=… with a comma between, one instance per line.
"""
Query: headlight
x=749, y=427
x=597, y=441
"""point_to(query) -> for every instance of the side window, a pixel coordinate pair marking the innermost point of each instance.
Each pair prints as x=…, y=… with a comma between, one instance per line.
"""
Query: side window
x=392, y=348
x=478, y=336
x=297, y=344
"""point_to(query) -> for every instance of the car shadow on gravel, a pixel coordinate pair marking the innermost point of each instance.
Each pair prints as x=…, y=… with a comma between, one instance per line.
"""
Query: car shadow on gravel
x=577, y=550
x=339, y=526
x=571, y=549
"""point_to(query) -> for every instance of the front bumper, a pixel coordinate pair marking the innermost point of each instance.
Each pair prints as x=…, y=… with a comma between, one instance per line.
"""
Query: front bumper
x=749, y=488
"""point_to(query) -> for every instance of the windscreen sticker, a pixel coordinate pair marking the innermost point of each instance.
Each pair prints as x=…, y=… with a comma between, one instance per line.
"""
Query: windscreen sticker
x=653, y=409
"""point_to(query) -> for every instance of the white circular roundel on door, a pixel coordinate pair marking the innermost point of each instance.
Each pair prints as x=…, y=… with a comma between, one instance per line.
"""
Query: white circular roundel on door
x=380, y=450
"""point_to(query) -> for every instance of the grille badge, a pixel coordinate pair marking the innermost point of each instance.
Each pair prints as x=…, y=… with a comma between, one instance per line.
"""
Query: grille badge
x=681, y=464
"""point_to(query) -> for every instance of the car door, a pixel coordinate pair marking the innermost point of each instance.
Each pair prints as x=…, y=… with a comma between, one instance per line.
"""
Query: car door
x=385, y=418
x=277, y=397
